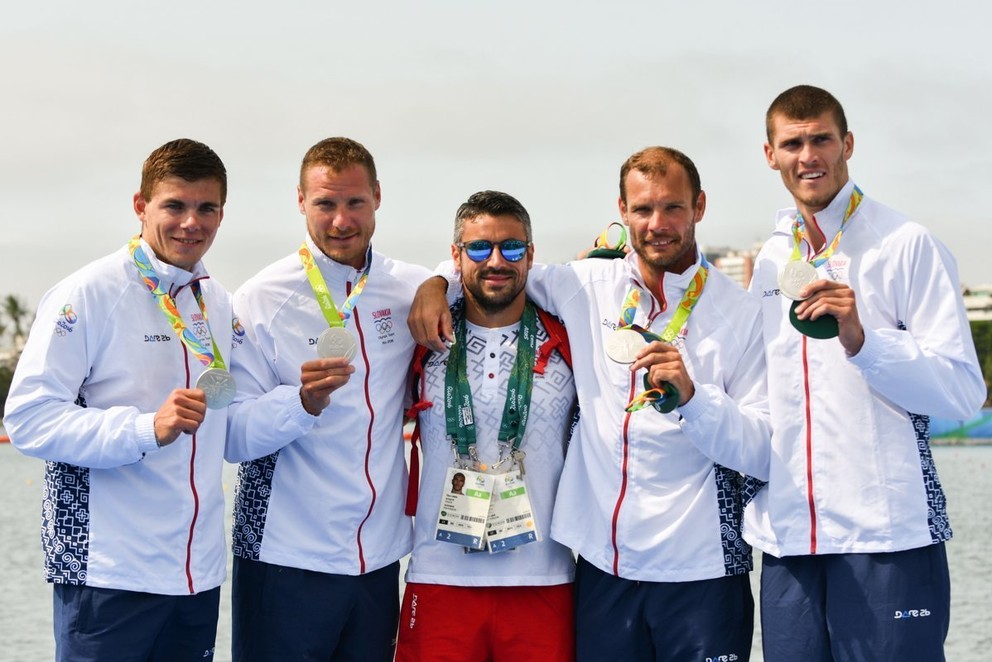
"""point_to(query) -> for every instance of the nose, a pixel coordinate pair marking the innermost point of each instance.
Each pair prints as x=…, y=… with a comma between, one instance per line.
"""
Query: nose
x=191, y=223
x=340, y=220
x=807, y=154
x=497, y=259
x=657, y=222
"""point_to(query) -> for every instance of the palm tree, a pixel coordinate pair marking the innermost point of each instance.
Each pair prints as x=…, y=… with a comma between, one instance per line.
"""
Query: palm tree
x=16, y=311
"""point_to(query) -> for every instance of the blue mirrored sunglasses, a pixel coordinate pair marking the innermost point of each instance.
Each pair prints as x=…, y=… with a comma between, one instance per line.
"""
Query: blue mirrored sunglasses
x=512, y=250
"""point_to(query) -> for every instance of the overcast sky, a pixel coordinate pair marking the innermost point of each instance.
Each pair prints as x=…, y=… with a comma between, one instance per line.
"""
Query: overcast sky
x=543, y=100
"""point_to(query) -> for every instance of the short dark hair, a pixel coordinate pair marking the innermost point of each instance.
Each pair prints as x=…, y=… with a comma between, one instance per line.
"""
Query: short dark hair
x=184, y=158
x=804, y=102
x=654, y=161
x=493, y=203
x=339, y=154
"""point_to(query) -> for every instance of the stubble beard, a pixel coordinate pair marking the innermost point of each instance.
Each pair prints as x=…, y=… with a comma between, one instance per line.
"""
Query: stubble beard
x=493, y=302
x=686, y=246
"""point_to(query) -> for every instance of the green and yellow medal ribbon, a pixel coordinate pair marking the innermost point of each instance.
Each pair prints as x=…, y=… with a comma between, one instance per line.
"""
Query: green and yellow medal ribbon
x=331, y=313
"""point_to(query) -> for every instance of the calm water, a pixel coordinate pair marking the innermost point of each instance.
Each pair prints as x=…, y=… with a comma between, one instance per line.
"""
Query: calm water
x=25, y=599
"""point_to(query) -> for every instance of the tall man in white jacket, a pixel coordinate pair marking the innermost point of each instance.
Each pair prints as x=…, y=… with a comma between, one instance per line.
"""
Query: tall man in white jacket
x=122, y=389
x=651, y=497
x=317, y=425
x=866, y=336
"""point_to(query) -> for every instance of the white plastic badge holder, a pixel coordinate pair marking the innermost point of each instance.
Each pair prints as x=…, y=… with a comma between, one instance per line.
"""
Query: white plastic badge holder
x=461, y=519
x=511, y=518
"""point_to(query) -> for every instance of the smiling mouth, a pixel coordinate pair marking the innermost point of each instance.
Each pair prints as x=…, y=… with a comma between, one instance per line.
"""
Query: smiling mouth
x=806, y=176
x=661, y=243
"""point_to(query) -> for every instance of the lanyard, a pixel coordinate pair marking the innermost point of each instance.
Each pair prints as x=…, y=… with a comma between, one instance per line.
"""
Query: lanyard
x=208, y=356
x=799, y=229
x=333, y=316
x=459, y=420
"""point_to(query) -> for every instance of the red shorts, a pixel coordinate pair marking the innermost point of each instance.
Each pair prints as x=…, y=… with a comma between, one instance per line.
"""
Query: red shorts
x=497, y=623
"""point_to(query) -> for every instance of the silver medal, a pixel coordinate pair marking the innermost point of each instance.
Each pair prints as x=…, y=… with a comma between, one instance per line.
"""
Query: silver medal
x=219, y=386
x=336, y=341
x=623, y=345
x=795, y=275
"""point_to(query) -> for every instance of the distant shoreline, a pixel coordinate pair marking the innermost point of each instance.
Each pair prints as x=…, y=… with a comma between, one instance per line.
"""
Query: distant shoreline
x=961, y=441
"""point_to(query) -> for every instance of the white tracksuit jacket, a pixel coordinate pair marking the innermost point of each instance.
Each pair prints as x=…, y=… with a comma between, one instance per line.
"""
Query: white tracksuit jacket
x=322, y=493
x=118, y=511
x=851, y=469
x=651, y=496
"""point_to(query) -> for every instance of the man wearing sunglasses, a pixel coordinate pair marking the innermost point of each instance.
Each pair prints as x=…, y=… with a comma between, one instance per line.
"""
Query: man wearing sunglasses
x=317, y=426
x=670, y=376
x=506, y=594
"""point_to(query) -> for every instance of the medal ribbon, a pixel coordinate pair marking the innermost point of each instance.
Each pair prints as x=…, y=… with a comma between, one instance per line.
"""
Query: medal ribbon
x=208, y=356
x=679, y=319
x=333, y=316
x=799, y=229
x=692, y=293
x=458, y=412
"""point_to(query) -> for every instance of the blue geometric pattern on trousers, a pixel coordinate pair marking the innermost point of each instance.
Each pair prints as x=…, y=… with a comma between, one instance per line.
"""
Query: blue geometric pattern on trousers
x=65, y=522
x=251, y=505
x=736, y=553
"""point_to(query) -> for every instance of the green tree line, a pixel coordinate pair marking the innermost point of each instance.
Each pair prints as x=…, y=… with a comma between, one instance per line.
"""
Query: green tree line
x=15, y=320
x=982, y=334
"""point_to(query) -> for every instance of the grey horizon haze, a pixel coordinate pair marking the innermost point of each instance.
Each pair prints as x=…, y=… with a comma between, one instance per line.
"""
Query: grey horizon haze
x=541, y=100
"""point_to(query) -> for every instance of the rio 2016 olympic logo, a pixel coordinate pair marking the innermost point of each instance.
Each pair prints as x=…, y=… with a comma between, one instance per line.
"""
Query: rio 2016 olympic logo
x=66, y=319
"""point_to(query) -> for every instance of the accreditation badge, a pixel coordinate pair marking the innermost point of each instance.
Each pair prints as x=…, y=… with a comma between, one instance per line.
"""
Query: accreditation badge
x=461, y=519
x=511, y=521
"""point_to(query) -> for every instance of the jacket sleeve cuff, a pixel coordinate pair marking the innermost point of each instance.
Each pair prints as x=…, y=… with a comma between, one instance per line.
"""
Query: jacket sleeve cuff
x=299, y=415
x=696, y=407
x=144, y=430
x=871, y=352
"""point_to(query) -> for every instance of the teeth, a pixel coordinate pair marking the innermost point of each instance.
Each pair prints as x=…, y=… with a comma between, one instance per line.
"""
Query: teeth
x=811, y=175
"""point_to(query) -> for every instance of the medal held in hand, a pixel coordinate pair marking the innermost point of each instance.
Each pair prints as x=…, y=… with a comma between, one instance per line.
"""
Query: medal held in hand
x=795, y=275
x=216, y=382
x=336, y=341
x=796, y=271
x=219, y=387
x=624, y=344
x=822, y=328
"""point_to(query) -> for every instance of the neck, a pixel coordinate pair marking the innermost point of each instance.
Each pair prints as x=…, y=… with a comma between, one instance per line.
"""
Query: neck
x=493, y=319
x=811, y=228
